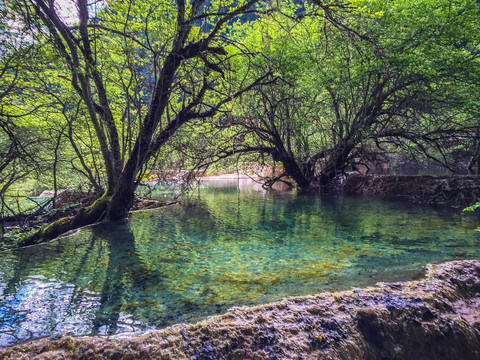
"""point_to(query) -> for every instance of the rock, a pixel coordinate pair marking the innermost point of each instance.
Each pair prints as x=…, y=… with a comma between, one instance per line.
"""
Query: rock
x=436, y=317
x=46, y=193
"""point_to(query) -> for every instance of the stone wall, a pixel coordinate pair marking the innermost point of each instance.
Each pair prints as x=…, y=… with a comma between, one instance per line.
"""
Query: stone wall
x=434, y=318
x=459, y=190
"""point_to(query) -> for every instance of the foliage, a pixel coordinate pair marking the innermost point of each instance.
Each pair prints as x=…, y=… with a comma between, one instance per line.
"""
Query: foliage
x=121, y=91
x=350, y=87
x=120, y=81
x=473, y=208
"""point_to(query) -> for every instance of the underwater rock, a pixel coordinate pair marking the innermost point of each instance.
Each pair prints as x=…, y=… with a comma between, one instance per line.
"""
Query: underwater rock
x=436, y=317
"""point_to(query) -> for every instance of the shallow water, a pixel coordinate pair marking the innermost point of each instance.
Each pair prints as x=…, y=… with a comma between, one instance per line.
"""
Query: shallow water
x=223, y=248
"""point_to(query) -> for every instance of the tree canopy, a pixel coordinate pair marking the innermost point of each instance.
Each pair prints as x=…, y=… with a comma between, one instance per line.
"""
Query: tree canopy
x=112, y=91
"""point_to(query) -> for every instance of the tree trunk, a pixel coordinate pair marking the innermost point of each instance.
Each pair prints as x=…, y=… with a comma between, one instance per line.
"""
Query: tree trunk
x=113, y=205
x=87, y=216
x=293, y=170
x=122, y=199
x=335, y=164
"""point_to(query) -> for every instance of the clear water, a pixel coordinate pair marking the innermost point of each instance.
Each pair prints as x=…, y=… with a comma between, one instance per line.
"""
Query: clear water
x=224, y=248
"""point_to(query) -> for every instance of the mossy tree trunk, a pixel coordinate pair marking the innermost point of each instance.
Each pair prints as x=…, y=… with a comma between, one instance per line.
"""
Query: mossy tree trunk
x=87, y=216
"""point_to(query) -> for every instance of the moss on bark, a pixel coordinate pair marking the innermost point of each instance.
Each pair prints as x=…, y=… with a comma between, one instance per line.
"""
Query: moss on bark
x=87, y=216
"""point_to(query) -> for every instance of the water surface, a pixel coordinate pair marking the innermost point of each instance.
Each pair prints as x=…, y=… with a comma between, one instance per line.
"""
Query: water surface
x=221, y=249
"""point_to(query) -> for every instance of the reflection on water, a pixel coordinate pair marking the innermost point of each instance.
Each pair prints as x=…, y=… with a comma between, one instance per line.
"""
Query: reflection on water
x=223, y=248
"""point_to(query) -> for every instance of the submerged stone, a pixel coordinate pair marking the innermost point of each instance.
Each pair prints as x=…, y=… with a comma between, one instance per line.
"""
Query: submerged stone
x=435, y=317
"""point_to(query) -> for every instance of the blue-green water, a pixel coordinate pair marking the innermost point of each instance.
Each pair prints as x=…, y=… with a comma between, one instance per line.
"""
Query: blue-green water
x=224, y=248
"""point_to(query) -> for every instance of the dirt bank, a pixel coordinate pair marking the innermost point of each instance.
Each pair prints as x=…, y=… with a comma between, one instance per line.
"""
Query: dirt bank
x=437, y=317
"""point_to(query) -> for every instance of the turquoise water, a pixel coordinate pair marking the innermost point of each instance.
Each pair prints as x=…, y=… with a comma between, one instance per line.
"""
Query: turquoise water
x=222, y=248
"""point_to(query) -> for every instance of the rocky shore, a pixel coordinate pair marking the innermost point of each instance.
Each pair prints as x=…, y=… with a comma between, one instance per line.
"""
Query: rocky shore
x=436, y=317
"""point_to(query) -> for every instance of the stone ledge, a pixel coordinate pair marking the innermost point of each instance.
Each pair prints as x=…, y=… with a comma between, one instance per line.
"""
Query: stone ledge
x=457, y=190
x=436, y=317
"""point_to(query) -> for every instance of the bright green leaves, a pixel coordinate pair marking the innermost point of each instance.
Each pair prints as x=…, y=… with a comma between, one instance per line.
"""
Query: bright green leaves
x=360, y=72
x=473, y=208
x=346, y=72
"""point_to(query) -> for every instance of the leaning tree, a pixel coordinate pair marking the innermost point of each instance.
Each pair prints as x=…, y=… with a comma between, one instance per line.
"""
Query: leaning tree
x=141, y=70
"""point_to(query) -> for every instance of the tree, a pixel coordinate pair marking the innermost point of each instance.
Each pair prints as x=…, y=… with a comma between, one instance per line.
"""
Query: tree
x=371, y=77
x=183, y=46
x=21, y=146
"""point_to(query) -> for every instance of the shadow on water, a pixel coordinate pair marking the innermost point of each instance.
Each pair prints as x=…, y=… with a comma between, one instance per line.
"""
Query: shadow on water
x=126, y=299
x=126, y=277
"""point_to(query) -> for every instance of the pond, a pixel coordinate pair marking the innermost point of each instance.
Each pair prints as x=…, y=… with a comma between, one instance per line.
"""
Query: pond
x=223, y=248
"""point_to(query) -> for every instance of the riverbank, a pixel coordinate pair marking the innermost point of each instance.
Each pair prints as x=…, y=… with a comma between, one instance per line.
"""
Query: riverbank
x=436, y=317
x=456, y=191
